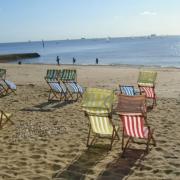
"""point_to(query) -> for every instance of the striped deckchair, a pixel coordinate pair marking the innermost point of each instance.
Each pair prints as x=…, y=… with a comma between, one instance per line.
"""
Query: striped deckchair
x=6, y=85
x=5, y=118
x=97, y=105
x=134, y=127
x=146, y=84
x=127, y=90
x=69, y=78
x=57, y=88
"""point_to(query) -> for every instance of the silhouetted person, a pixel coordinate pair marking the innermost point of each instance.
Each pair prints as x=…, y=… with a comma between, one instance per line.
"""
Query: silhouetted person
x=74, y=60
x=58, y=60
x=43, y=43
x=19, y=62
x=97, y=60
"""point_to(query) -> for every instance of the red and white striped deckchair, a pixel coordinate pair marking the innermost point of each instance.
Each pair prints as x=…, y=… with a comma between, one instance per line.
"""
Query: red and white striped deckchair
x=149, y=92
x=134, y=127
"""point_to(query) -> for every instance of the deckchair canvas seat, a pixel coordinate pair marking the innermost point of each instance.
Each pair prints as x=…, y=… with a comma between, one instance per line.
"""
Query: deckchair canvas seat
x=10, y=84
x=4, y=118
x=6, y=84
x=57, y=87
x=106, y=127
x=74, y=87
x=127, y=90
x=134, y=127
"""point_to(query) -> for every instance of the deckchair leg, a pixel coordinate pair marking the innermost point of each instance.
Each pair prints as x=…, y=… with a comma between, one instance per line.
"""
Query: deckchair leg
x=116, y=134
x=112, y=139
x=88, y=136
x=92, y=141
x=124, y=149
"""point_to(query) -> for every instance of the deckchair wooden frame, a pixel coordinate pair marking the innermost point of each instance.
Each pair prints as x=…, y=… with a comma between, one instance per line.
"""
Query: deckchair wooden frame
x=4, y=119
x=131, y=138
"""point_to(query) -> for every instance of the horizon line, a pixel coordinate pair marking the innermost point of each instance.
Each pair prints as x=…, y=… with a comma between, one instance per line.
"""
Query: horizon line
x=84, y=38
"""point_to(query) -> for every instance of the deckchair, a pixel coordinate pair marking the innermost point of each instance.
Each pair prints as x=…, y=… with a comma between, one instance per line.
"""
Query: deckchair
x=127, y=90
x=146, y=84
x=5, y=118
x=69, y=78
x=135, y=127
x=57, y=88
x=97, y=105
x=7, y=85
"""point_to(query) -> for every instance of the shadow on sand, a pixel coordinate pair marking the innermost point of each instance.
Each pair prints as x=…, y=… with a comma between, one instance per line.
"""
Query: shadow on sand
x=48, y=106
x=83, y=167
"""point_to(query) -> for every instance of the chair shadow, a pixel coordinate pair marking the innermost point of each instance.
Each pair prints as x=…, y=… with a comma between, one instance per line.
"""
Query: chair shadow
x=123, y=166
x=82, y=166
x=48, y=106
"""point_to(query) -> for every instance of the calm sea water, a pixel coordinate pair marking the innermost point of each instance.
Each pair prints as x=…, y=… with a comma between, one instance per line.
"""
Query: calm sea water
x=155, y=51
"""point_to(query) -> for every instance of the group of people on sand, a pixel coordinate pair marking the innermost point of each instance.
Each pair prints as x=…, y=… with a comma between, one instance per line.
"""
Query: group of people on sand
x=73, y=60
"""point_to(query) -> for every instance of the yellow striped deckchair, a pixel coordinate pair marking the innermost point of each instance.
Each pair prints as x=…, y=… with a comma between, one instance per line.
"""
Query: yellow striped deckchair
x=97, y=105
x=4, y=118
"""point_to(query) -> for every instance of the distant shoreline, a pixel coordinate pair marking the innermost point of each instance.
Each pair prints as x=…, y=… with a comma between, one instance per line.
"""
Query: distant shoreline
x=13, y=57
x=99, y=65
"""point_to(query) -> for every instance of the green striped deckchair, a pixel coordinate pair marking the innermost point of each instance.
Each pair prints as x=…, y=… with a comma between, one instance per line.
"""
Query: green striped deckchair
x=147, y=78
x=97, y=105
x=6, y=86
x=69, y=78
x=57, y=88
x=68, y=75
x=146, y=84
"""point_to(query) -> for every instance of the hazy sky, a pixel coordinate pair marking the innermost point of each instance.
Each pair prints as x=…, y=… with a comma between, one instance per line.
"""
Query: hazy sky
x=23, y=20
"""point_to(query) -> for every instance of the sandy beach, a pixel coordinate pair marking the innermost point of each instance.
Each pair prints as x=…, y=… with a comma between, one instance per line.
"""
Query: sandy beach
x=48, y=140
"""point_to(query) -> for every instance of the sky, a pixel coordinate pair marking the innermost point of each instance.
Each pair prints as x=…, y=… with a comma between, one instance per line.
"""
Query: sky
x=23, y=20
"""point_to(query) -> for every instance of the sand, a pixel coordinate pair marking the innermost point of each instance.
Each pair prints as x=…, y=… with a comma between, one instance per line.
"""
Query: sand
x=48, y=140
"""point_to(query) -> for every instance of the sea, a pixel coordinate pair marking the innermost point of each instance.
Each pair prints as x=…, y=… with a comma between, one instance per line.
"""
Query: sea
x=163, y=51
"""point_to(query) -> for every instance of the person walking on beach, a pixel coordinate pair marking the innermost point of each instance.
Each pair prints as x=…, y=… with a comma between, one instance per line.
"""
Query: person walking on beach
x=57, y=59
x=97, y=60
x=74, y=60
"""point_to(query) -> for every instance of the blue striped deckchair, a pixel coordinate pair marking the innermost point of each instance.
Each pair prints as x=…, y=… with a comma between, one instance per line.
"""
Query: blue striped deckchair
x=97, y=105
x=69, y=78
x=57, y=88
x=7, y=85
x=127, y=90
